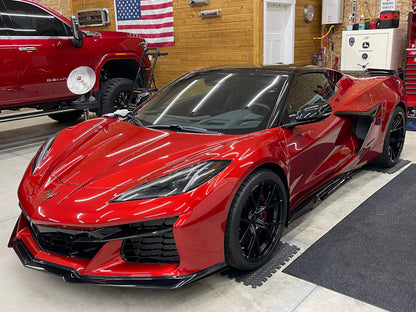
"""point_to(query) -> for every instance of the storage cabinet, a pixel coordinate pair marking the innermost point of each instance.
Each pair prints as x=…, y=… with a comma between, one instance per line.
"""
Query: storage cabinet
x=373, y=48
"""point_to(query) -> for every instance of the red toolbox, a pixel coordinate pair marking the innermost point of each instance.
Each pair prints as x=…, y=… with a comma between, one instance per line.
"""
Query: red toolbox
x=389, y=19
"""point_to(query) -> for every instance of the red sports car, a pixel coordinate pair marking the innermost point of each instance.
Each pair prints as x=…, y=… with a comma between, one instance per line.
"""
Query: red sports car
x=204, y=175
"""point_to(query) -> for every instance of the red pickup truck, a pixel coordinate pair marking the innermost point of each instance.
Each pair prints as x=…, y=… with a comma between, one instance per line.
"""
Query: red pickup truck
x=38, y=51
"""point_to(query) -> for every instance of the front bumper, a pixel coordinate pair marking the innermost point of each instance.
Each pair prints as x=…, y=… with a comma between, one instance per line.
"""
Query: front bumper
x=104, y=269
x=71, y=275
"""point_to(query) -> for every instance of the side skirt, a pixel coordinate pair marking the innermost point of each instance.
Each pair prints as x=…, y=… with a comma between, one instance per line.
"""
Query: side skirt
x=320, y=195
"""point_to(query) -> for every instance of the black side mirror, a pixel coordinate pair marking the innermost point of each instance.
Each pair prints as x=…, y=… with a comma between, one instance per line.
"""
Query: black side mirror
x=313, y=113
x=142, y=97
x=310, y=114
x=77, y=41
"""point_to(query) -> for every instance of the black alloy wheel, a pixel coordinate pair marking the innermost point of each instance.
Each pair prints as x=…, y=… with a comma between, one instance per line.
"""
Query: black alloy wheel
x=397, y=134
x=256, y=220
x=394, y=139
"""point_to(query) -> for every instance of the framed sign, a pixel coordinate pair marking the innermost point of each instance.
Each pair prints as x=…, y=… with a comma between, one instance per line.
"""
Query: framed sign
x=387, y=5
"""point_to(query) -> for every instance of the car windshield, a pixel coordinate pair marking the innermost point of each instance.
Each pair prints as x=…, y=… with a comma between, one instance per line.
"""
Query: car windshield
x=215, y=101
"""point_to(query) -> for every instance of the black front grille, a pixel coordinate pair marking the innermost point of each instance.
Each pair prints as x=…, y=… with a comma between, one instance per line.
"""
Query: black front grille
x=143, y=242
x=159, y=248
x=56, y=241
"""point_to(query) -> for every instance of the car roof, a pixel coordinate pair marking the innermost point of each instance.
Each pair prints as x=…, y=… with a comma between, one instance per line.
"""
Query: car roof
x=287, y=69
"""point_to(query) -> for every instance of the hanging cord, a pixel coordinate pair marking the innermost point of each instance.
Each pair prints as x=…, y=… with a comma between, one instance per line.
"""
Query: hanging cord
x=325, y=35
x=368, y=10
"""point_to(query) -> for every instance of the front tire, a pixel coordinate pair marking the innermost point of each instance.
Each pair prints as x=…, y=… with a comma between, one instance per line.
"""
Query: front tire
x=255, y=221
x=115, y=94
x=393, y=140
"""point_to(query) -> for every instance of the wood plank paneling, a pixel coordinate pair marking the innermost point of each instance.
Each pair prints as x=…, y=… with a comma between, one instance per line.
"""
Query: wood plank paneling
x=305, y=46
x=77, y=5
x=232, y=39
x=63, y=7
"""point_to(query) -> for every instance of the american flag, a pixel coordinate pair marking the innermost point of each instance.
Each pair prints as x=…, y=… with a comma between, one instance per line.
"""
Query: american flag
x=152, y=19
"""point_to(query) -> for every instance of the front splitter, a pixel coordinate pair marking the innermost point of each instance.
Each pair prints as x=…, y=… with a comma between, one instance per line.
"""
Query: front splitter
x=71, y=275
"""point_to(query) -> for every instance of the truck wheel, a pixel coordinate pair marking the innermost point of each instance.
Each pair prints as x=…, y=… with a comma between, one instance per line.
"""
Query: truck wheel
x=66, y=116
x=114, y=95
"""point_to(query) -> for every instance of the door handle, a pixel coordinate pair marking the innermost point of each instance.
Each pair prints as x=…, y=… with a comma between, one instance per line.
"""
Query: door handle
x=28, y=49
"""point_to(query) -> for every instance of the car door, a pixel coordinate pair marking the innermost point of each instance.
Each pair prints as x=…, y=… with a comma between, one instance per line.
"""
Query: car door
x=318, y=150
x=44, y=49
x=9, y=76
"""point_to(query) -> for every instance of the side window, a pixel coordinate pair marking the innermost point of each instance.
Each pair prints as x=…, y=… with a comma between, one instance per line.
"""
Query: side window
x=24, y=19
x=306, y=90
x=3, y=31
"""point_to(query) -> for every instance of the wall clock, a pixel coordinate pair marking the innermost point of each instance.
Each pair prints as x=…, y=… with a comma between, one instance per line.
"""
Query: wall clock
x=308, y=12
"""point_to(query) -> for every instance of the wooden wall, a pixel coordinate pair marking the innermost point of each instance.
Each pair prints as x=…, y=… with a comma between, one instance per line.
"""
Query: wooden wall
x=234, y=38
x=63, y=7
x=77, y=5
x=305, y=45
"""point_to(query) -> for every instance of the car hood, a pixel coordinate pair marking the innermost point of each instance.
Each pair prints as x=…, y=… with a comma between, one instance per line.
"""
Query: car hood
x=109, y=152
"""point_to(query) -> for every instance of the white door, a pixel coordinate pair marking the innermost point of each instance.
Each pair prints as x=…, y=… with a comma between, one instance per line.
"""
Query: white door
x=278, y=32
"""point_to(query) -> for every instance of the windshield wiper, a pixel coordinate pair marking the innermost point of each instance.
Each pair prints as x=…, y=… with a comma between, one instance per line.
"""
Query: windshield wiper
x=177, y=127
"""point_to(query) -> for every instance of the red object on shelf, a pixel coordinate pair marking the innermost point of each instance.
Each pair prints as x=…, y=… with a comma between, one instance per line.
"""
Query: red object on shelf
x=409, y=77
x=389, y=19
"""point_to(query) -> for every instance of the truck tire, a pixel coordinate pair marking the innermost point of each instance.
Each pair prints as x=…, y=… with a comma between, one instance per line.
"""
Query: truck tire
x=66, y=116
x=114, y=95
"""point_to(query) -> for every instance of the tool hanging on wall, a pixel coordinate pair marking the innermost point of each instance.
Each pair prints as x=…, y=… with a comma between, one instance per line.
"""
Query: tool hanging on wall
x=327, y=45
x=354, y=8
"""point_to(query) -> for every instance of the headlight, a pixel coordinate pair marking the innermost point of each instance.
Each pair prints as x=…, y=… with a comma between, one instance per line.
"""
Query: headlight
x=42, y=153
x=177, y=182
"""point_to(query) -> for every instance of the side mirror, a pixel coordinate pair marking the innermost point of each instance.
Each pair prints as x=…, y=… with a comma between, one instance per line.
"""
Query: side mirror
x=77, y=41
x=310, y=114
x=142, y=97
x=313, y=113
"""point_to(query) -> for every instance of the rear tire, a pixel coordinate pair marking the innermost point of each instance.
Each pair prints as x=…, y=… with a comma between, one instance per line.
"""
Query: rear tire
x=66, y=116
x=393, y=140
x=256, y=220
x=115, y=94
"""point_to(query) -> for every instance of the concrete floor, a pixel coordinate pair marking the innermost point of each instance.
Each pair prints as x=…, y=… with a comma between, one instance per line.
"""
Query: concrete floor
x=25, y=289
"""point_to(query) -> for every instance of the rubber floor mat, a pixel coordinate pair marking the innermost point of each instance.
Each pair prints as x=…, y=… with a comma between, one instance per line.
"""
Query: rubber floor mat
x=370, y=255
x=282, y=254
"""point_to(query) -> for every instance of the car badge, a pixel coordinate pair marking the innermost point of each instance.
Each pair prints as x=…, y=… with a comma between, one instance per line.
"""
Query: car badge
x=49, y=195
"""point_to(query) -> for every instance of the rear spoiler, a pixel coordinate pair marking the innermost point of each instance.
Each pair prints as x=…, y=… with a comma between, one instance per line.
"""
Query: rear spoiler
x=380, y=72
x=375, y=72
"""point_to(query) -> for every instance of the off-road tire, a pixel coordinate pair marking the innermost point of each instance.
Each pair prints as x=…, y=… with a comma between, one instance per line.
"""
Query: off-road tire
x=114, y=95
